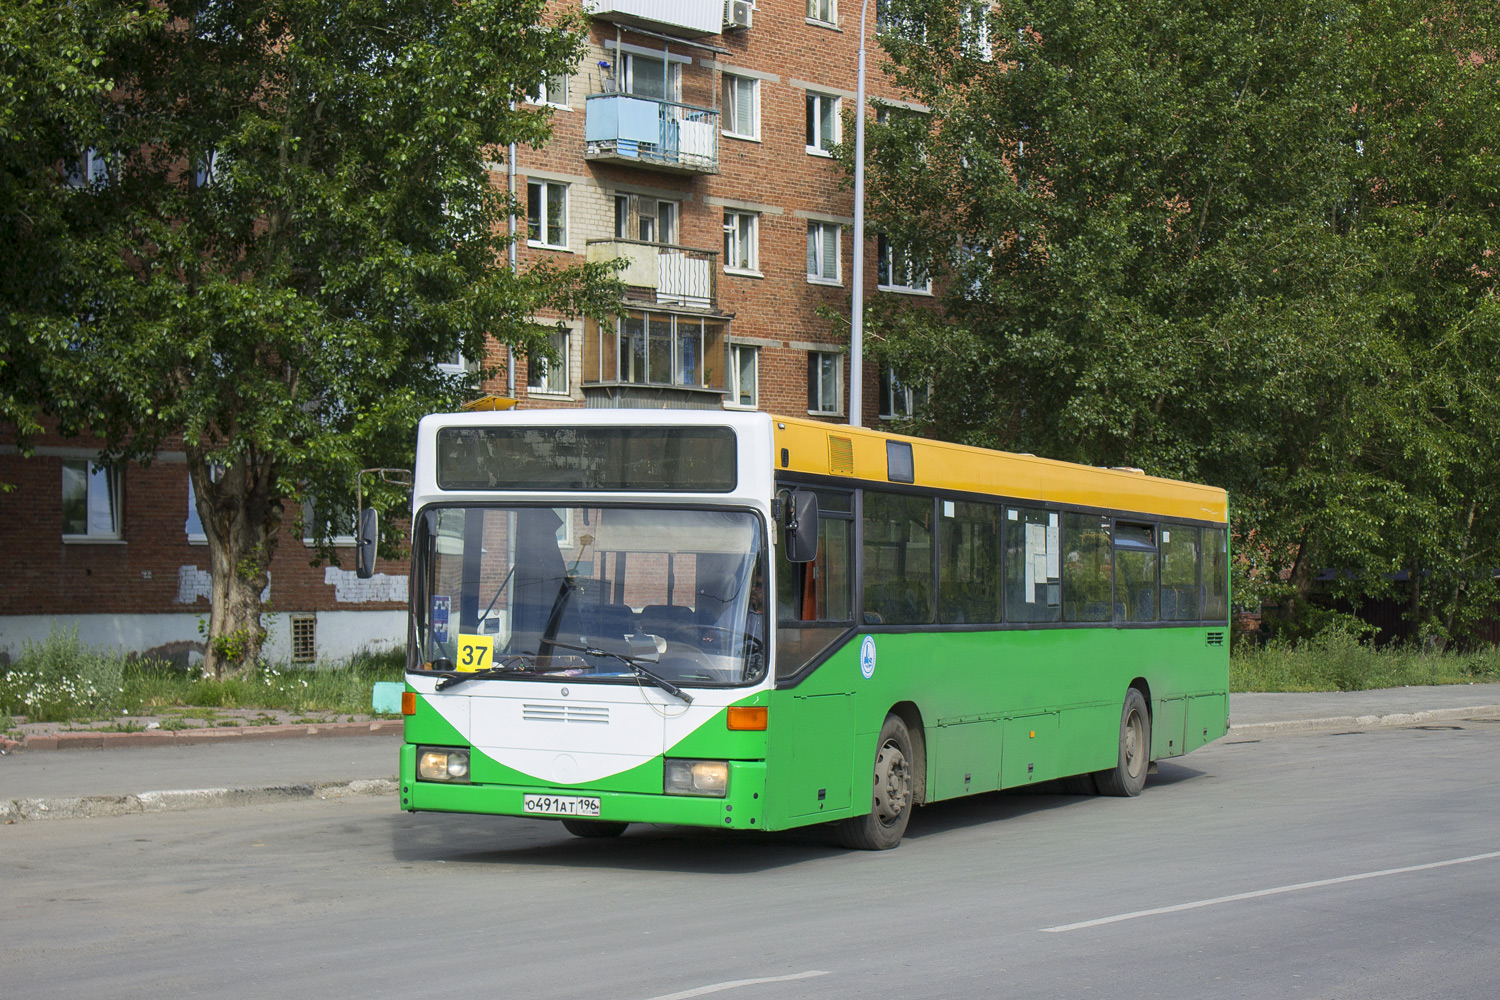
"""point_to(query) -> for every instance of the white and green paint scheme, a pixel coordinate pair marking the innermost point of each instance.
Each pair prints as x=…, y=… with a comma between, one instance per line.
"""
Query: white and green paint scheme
x=593, y=640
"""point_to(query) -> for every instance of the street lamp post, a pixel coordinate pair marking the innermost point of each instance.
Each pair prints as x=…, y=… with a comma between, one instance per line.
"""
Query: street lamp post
x=857, y=313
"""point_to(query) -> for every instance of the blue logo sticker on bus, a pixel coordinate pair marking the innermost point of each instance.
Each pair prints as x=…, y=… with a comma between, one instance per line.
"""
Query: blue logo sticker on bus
x=867, y=657
x=440, y=608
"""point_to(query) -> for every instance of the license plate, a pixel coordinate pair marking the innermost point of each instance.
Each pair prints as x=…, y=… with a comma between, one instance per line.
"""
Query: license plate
x=560, y=805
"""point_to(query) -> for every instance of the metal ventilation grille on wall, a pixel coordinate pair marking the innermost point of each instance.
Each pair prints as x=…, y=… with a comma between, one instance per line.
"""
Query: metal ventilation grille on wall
x=840, y=455
x=304, y=638
x=1215, y=639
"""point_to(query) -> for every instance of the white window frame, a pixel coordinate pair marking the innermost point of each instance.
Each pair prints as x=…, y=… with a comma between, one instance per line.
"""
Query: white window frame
x=638, y=207
x=732, y=82
x=816, y=147
x=838, y=383
x=816, y=245
x=101, y=497
x=974, y=29
x=88, y=170
x=738, y=353
x=552, y=379
x=309, y=511
x=816, y=9
x=889, y=258
x=551, y=92
x=199, y=537
x=735, y=237
x=544, y=222
x=891, y=384
x=673, y=80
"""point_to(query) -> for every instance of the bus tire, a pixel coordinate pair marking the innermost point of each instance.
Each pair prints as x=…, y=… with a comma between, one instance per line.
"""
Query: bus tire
x=593, y=828
x=882, y=827
x=1128, y=776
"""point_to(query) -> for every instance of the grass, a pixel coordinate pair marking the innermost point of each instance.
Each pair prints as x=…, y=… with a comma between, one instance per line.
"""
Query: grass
x=1337, y=661
x=64, y=680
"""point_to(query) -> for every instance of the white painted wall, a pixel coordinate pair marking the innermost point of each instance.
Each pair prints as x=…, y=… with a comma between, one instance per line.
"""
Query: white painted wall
x=341, y=634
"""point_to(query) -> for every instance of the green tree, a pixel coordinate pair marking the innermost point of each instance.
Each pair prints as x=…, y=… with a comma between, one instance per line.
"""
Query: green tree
x=1199, y=238
x=293, y=219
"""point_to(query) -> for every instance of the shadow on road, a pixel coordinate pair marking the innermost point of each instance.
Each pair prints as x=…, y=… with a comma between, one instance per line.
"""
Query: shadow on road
x=501, y=840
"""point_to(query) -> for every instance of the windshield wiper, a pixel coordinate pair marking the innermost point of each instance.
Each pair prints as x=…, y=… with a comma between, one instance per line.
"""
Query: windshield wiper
x=514, y=663
x=634, y=663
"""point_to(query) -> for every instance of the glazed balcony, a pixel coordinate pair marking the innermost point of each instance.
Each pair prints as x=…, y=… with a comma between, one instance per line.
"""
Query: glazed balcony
x=648, y=132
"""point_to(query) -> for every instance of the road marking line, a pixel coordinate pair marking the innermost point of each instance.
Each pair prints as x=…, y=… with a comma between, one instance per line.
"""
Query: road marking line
x=1265, y=892
x=735, y=983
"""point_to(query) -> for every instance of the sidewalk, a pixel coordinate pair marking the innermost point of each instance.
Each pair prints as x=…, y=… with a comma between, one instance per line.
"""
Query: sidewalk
x=228, y=771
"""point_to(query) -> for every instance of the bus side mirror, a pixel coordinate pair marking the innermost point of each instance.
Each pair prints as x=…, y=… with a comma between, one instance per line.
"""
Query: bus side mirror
x=801, y=523
x=365, y=541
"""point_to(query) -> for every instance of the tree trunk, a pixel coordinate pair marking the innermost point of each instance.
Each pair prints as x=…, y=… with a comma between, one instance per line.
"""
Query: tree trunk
x=241, y=518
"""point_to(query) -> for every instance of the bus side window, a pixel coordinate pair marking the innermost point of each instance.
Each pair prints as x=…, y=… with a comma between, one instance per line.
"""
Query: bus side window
x=815, y=600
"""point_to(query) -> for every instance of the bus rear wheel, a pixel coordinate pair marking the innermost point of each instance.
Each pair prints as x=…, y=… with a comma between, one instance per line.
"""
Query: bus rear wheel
x=1128, y=776
x=895, y=785
x=593, y=828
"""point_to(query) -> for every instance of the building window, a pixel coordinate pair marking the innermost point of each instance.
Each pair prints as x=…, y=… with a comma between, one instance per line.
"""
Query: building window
x=652, y=77
x=652, y=220
x=898, y=270
x=547, y=214
x=335, y=524
x=822, y=123
x=88, y=170
x=823, y=252
x=974, y=31
x=741, y=107
x=825, y=370
x=826, y=11
x=90, y=501
x=740, y=250
x=897, y=399
x=550, y=376
x=744, y=376
x=553, y=90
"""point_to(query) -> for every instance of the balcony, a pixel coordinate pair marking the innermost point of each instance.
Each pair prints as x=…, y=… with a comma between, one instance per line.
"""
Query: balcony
x=657, y=358
x=662, y=273
x=646, y=132
x=683, y=18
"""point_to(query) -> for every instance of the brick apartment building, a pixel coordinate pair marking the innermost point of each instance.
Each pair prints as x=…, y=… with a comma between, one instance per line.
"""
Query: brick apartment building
x=692, y=141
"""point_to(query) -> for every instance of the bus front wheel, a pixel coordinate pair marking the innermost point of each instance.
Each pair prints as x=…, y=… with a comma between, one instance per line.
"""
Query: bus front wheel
x=593, y=828
x=1128, y=776
x=895, y=783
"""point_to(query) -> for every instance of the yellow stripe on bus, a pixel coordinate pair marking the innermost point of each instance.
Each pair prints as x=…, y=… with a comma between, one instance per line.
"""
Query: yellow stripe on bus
x=830, y=450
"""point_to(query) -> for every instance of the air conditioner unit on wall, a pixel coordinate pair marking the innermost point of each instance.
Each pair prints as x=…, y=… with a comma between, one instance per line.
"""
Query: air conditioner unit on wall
x=737, y=13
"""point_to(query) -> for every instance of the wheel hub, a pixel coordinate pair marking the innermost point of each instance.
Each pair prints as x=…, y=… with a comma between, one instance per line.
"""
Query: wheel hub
x=892, y=783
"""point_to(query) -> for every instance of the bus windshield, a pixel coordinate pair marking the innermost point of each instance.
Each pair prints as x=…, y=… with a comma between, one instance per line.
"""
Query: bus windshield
x=589, y=592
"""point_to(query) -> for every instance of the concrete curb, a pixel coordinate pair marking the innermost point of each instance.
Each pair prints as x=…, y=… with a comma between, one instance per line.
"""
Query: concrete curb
x=90, y=740
x=181, y=800
x=1362, y=721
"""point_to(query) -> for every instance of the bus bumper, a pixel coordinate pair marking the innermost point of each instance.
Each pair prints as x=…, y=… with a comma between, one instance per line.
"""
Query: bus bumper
x=742, y=807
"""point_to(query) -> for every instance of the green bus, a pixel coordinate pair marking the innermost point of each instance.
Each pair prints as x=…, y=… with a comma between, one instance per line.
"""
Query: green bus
x=592, y=635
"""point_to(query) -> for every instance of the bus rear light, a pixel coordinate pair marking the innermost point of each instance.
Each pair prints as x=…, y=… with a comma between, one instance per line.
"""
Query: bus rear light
x=408, y=703
x=696, y=777
x=746, y=717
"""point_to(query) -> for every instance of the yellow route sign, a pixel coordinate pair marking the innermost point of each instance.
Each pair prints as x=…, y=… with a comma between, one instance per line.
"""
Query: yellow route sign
x=475, y=652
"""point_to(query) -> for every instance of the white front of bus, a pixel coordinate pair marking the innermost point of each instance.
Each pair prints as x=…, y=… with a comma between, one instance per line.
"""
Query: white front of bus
x=589, y=633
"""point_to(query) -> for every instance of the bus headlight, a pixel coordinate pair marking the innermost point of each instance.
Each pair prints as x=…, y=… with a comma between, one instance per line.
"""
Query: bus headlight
x=697, y=777
x=442, y=765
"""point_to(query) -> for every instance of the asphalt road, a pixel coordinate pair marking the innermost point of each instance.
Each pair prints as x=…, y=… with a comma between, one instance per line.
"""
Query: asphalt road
x=1356, y=864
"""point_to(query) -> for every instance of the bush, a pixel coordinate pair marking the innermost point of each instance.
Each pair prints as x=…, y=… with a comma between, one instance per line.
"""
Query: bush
x=62, y=679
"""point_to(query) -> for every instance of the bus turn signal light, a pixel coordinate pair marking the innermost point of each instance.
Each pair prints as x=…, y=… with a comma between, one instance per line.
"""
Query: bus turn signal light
x=747, y=717
x=408, y=703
